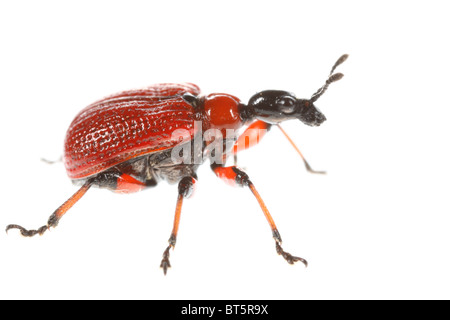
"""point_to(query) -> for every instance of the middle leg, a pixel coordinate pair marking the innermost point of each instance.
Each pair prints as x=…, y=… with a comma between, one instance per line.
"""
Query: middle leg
x=185, y=189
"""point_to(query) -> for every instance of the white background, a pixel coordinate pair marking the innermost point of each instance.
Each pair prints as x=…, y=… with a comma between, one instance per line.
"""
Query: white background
x=376, y=226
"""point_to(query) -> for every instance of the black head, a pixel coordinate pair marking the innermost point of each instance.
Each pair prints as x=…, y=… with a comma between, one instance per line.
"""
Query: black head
x=275, y=106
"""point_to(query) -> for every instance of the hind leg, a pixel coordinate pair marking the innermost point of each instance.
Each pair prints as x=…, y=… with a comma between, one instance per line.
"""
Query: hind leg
x=57, y=215
x=113, y=180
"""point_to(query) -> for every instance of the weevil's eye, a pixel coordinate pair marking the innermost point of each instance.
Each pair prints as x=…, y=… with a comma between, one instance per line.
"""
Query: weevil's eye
x=286, y=104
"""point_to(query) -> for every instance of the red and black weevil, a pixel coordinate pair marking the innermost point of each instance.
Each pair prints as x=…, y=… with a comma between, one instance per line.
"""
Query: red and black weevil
x=125, y=142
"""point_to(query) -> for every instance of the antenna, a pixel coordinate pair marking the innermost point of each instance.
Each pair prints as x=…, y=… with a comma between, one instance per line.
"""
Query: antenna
x=331, y=78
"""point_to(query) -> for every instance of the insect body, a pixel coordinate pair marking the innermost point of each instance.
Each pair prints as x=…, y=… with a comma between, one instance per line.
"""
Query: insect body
x=131, y=141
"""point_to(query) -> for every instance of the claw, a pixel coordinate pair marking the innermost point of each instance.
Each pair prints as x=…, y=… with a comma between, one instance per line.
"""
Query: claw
x=165, y=263
x=289, y=257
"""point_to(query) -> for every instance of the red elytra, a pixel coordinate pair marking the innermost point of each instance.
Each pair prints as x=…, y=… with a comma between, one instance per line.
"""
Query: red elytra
x=125, y=126
x=126, y=142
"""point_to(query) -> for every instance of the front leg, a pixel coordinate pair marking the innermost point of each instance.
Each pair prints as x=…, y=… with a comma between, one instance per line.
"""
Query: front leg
x=254, y=134
x=235, y=176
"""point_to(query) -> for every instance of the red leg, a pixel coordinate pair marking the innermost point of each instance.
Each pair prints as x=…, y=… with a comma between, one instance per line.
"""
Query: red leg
x=113, y=180
x=128, y=184
x=185, y=189
x=57, y=215
x=308, y=167
x=251, y=136
x=235, y=176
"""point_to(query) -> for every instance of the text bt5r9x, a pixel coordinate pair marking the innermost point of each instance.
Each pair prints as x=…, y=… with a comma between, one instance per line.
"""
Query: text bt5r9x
x=134, y=139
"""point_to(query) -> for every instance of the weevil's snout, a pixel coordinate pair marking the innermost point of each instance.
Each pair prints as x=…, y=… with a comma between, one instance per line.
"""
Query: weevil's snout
x=309, y=114
x=320, y=118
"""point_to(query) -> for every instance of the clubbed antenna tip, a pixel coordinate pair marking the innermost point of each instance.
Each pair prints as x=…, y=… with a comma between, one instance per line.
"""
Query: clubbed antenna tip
x=339, y=61
x=332, y=78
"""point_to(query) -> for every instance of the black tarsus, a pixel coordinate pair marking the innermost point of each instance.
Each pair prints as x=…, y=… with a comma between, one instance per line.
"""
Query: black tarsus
x=165, y=262
x=289, y=257
x=27, y=233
